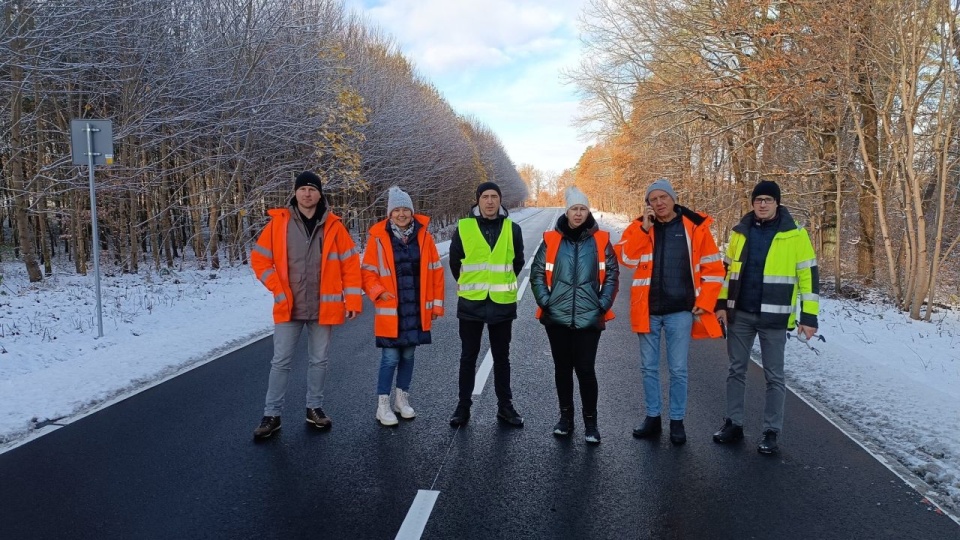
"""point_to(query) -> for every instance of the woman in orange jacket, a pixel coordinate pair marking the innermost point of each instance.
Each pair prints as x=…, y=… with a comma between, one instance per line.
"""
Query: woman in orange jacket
x=403, y=277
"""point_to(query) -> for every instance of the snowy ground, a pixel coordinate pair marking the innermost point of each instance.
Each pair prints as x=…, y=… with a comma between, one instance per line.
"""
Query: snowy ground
x=894, y=383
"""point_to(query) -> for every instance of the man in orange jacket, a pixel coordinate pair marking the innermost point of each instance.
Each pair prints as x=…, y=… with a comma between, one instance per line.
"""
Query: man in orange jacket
x=307, y=259
x=679, y=273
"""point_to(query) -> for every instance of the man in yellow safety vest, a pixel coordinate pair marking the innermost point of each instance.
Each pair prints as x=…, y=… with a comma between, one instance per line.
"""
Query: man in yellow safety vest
x=486, y=256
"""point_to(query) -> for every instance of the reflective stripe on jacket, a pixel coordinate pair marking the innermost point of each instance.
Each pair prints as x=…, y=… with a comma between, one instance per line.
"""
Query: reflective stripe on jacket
x=379, y=275
x=789, y=271
x=340, y=285
x=635, y=250
x=552, y=241
x=485, y=272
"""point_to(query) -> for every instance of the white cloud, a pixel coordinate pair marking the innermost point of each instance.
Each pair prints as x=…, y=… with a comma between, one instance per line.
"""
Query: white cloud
x=449, y=35
x=498, y=61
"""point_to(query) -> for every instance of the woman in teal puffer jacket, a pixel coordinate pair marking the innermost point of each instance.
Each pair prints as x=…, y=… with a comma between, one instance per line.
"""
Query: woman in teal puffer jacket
x=574, y=279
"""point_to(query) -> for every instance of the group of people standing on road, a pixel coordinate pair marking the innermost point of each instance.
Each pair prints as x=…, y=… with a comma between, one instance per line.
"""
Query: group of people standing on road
x=683, y=288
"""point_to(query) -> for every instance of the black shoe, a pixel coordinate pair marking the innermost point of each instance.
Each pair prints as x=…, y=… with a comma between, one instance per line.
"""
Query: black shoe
x=591, y=433
x=565, y=426
x=268, y=424
x=318, y=418
x=508, y=414
x=678, y=435
x=768, y=446
x=461, y=415
x=730, y=432
x=651, y=426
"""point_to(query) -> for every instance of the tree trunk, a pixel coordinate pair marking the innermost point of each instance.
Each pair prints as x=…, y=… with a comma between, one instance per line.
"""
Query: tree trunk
x=17, y=179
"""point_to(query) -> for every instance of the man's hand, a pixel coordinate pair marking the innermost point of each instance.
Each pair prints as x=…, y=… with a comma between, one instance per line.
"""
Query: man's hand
x=698, y=311
x=351, y=315
x=721, y=316
x=648, y=217
x=386, y=295
x=806, y=331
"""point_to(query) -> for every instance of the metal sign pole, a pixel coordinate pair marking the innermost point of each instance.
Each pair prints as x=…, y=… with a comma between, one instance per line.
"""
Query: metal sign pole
x=96, y=234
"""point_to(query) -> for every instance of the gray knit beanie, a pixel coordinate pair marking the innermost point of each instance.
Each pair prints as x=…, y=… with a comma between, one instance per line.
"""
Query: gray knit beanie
x=398, y=198
x=574, y=196
x=663, y=185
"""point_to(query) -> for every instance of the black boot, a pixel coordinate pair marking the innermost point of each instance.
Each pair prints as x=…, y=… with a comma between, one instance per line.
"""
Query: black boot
x=678, y=435
x=508, y=414
x=728, y=433
x=768, y=446
x=461, y=415
x=651, y=426
x=565, y=426
x=591, y=433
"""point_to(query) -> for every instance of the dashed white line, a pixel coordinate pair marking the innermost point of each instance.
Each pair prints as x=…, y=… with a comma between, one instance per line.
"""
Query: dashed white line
x=418, y=515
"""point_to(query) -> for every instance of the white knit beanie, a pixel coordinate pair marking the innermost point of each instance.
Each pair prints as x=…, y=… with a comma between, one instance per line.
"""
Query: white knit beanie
x=398, y=198
x=574, y=196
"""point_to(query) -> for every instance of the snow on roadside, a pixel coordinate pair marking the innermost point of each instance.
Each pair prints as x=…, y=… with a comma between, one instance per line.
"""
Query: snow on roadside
x=894, y=380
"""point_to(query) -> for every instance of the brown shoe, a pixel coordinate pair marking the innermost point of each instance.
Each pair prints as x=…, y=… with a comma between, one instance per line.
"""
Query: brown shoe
x=318, y=418
x=268, y=425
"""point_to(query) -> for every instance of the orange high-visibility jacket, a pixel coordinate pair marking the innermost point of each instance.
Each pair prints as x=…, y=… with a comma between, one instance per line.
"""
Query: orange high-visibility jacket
x=340, y=287
x=552, y=239
x=635, y=250
x=380, y=274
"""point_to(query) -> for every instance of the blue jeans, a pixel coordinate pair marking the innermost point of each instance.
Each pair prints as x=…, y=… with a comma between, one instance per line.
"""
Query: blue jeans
x=399, y=360
x=676, y=328
x=285, y=338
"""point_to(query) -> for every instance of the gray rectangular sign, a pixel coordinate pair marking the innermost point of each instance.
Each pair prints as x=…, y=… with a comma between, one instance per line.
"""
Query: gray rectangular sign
x=102, y=141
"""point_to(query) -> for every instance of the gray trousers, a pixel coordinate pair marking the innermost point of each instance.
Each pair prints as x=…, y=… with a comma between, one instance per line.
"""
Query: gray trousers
x=740, y=337
x=285, y=338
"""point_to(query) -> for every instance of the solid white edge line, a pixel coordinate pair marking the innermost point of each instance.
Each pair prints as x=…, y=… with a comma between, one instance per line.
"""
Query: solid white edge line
x=893, y=466
x=50, y=428
x=417, y=516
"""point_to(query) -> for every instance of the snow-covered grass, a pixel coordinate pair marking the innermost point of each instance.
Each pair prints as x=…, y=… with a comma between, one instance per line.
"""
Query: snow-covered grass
x=893, y=382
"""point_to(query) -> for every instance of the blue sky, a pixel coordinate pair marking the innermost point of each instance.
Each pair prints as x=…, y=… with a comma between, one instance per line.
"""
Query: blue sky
x=498, y=61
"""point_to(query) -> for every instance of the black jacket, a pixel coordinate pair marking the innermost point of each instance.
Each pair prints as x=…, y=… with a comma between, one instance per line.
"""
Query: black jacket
x=671, y=284
x=486, y=311
x=576, y=300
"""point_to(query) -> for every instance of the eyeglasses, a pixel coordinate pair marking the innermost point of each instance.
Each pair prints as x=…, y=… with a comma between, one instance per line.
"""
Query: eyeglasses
x=764, y=200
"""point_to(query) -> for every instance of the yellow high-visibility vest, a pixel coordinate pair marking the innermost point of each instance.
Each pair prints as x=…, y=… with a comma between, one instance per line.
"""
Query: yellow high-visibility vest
x=485, y=272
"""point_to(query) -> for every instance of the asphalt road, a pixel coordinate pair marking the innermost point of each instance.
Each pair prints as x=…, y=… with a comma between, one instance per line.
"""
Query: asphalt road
x=178, y=460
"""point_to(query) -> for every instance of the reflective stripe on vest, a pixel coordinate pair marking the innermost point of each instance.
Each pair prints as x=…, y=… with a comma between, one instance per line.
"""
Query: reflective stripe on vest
x=553, y=239
x=485, y=272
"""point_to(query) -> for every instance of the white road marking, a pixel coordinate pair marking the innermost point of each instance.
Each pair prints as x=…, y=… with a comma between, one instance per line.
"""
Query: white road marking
x=416, y=520
x=59, y=423
x=418, y=515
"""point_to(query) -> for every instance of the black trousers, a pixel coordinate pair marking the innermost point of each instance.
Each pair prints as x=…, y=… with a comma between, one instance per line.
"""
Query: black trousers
x=471, y=332
x=575, y=351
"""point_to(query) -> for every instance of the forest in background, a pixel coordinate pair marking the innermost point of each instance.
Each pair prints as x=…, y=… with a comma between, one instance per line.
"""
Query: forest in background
x=215, y=107
x=850, y=105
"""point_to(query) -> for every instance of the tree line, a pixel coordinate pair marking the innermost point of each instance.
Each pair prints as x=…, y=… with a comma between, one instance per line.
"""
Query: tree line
x=215, y=107
x=851, y=105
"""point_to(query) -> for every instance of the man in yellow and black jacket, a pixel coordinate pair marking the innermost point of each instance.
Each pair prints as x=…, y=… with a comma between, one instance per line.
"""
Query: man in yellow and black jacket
x=486, y=256
x=770, y=265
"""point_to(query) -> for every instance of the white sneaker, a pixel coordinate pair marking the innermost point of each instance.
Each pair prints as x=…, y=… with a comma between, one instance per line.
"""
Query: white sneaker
x=401, y=404
x=384, y=414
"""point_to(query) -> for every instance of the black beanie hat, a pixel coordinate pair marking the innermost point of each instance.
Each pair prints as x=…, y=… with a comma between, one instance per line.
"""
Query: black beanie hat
x=487, y=186
x=307, y=178
x=768, y=188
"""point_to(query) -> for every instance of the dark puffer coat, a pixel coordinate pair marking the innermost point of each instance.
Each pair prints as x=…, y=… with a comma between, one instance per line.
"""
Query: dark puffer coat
x=576, y=299
x=406, y=259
